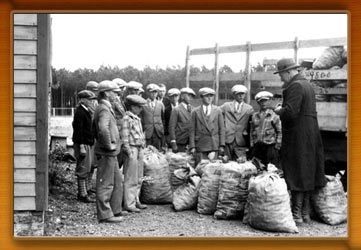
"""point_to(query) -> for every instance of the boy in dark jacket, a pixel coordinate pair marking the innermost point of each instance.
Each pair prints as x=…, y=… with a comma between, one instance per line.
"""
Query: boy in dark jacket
x=83, y=140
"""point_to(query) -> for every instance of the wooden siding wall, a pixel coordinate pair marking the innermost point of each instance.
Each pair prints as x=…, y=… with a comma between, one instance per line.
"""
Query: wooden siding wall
x=25, y=79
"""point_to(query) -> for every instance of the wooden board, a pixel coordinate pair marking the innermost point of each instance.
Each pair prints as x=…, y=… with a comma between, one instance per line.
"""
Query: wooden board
x=201, y=77
x=24, y=104
x=24, y=203
x=24, y=133
x=265, y=76
x=25, y=32
x=339, y=41
x=24, y=76
x=233, y=49
x=332, y=116
x=25, y=19
x=24, y=189
x=25, y=47
x=271, y=84
x=24, y=90
x=340, y=74
x=331, y=91
x=24, y=119
x=24, y=148
x=203, y=51
x=222, y=77
x=42, y=94
x=24, y=175
x=24, y=62
x=273, y=46
x=24, y=161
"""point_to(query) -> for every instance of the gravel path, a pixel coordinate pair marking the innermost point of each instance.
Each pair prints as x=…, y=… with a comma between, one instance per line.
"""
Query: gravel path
x=68, y=217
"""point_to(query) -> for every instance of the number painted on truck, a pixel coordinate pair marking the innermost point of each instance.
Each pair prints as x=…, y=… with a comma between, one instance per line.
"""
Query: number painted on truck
x=318, y=75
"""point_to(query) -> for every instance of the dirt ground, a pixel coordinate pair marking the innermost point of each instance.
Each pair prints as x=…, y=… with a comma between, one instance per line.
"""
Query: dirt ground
x=68, y=217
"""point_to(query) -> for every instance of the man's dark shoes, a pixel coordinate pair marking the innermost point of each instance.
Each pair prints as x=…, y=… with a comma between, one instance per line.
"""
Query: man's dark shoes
x=121, y=213
x=112, y=220
x=133, y=210
x=85, y=199
x=141, y=206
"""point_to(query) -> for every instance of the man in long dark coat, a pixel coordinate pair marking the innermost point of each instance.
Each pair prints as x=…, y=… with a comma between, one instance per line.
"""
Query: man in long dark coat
x=302, y=156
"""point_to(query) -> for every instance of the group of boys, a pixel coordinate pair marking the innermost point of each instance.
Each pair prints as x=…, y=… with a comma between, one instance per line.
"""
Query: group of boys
x=113, y=123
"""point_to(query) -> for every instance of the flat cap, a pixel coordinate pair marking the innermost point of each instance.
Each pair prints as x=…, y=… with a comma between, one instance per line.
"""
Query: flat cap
x=206, y=91
x=107, y=85
x=134, y=85
x=173, y=91
x=263, y=95
x=239, y=89
x=86, y=94
x=91, y=85
x=120, y=82
x=135, y=100
x=152, y=87
x=188, y=91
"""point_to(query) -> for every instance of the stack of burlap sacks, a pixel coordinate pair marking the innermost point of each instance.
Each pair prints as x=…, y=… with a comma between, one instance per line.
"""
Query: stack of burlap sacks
x=332, y=58
x=232, y=191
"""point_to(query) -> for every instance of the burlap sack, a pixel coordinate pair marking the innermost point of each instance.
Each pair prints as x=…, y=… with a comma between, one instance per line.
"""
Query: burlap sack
x=157, y=190
x=233, y=189
x=330, y=57
x=177, y=161
x=269, y=204
x=185, y=196
x=330, y=202
x=208, y=190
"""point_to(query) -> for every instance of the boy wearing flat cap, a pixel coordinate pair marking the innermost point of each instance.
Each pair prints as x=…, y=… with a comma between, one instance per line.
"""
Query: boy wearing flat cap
x=152, y=117
x=266, y=131
x=173, y=95
x=237, y=115
x=207, y=134
x=302, y=156
x=180, y=121
x=83, y=139
x=133, y=142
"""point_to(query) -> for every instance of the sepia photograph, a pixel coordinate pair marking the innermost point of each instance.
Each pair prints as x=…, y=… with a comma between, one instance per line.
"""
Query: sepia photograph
x=180, y=125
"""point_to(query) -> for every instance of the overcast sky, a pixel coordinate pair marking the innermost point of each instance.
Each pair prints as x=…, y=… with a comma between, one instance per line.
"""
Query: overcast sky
x=90, y=40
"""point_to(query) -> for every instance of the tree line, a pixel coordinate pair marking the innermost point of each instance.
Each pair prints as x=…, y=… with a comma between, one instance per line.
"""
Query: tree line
x=66, y=84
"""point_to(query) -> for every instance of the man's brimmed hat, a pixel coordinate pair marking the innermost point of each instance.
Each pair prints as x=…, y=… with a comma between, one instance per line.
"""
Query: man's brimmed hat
x=263, y=95
x=206, y=91
x=87, y=94
x=285, y=64
x=107, y=85
x=188, y=91
x=135, y=100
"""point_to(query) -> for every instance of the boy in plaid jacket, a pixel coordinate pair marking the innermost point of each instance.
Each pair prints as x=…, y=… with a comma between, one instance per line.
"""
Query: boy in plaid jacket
x=133, y=143
x=266, y=131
